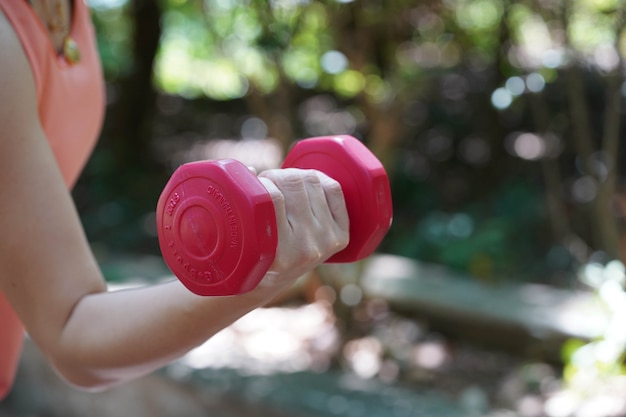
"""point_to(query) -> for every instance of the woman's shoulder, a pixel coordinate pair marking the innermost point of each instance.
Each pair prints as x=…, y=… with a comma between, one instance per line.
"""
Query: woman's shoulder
x=15, y=71
x=18, y=96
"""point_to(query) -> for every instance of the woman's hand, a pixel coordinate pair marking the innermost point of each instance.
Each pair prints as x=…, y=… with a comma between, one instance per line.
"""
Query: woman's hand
x=311, y=218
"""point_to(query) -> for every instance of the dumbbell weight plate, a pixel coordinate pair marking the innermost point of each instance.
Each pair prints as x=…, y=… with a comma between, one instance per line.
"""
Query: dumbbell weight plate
x=364, y=183
x=217, y=227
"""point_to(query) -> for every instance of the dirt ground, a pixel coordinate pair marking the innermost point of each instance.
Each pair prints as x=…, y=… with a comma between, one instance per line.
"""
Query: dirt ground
x=292, y=362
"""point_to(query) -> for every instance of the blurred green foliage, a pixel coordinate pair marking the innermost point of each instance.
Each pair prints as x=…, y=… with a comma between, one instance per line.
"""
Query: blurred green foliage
x=471, y=105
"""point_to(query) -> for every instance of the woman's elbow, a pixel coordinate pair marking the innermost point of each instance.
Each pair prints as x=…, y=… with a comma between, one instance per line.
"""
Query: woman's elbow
x=84, y=378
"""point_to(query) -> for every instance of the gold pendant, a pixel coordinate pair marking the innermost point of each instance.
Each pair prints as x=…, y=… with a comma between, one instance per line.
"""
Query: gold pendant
x=71, y=50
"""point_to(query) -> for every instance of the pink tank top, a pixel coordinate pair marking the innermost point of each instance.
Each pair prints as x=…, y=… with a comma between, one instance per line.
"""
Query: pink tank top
x=71, y=104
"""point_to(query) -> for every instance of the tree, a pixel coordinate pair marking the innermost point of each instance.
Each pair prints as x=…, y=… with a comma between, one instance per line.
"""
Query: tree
x=462, y=100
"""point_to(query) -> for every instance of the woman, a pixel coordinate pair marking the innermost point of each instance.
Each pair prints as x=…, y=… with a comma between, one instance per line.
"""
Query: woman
x=51, y=108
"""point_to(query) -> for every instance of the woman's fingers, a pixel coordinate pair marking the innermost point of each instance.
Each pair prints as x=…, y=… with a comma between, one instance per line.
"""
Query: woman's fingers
x=335, y=201
x=311, y=216
x=292, y=186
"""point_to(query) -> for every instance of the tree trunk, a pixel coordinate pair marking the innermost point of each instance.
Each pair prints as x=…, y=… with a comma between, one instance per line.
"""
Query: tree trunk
x=136, y=94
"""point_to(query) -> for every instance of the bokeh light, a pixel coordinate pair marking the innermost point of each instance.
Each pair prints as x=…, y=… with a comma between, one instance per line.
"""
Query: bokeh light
x=334, y=62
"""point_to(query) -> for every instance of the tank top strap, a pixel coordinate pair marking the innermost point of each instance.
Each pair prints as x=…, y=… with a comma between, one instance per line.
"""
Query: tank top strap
x=70, y=92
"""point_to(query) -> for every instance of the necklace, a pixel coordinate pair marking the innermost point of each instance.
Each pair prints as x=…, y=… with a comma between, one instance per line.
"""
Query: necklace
x=56, y=20
x=56, y=16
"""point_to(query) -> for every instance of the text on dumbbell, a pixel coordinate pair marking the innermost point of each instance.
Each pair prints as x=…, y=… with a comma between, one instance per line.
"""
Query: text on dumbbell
x=209, y=276
x=171, y=205
x=230, y=217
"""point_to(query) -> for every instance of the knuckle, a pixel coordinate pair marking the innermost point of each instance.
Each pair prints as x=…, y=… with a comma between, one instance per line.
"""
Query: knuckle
x=332, y=185
x=313, y=256
x=270, y=174
x=292, y=180
x=311, y=253
x=280, y=264
x=339, y=242
x=311, y=176
x=278, y=198
x=343, y=241
x=334, y=191
x=275, y=193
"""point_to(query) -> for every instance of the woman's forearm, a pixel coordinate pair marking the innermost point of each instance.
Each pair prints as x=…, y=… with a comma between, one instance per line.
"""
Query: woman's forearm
x=116, y=336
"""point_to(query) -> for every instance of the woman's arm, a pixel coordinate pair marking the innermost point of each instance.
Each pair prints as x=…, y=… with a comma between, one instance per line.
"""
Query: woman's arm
x=96, y=338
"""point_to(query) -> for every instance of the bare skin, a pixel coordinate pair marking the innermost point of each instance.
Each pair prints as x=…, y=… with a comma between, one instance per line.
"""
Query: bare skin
x=96, y=338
